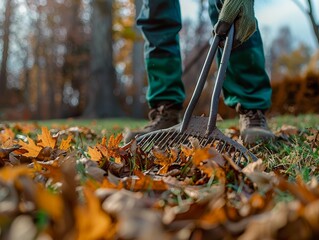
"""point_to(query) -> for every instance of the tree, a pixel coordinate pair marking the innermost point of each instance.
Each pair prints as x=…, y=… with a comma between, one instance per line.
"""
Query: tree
x=138, y=68
x=101, y=99
x=6, y=43
x=309, y=11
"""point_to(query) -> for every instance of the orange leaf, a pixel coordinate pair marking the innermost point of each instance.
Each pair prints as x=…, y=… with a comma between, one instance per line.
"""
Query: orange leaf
x=6, y=137
x=164, y=158
x=114, y=142
x=49, y=170
x=65, y=143
x=31, y=147
x=91, y=221
x=109, y=185
x=205, y=159
x=9, y=174
x=46, y=139
x=145, y=183
x=49, y=202
x=95, y=154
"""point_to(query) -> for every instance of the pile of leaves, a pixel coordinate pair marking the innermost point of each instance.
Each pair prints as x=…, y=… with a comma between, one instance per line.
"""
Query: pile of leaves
x=54, y=185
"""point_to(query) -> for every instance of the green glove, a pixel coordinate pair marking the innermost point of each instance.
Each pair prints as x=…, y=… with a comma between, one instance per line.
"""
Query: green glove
x=241, y=13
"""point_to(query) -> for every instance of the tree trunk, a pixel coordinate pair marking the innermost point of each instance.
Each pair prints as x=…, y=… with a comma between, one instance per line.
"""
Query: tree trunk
x=101, y=99
x=138, y=68
x=5, y=51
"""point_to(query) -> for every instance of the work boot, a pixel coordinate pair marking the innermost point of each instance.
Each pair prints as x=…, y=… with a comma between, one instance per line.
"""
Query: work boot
x=253, y=125
x=163, y=116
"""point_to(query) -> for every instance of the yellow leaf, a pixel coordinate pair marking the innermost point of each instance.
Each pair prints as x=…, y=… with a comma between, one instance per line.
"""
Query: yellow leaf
x=95, y=154
x=46, y=139
x=91, y=221
x=31, y=147
x=65, y=143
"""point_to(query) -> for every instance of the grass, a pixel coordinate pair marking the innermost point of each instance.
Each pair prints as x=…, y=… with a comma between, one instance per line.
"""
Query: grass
x=293, y=156
x=117, y=125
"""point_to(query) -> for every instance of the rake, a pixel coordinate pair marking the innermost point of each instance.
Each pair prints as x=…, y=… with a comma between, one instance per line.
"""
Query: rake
x=202, y=128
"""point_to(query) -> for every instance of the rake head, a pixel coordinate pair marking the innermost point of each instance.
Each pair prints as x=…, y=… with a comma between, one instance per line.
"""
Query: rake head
x=172, y=137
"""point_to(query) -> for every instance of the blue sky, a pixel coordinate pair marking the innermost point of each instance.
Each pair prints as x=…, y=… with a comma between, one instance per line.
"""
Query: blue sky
x=272, y=14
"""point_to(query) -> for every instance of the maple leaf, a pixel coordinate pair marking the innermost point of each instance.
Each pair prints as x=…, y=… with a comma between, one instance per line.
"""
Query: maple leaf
x=65, y=143
x=31, y=147
x=115, y=141
x=164, y=158
x=91, y=221
x=95, y=154
x=45, y=139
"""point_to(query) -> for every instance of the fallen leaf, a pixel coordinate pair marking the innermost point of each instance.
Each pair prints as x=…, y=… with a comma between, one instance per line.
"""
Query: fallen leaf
x=95, y=154
x=91, y=221
x=66, y=143
x=31, y=147
x=45, y=139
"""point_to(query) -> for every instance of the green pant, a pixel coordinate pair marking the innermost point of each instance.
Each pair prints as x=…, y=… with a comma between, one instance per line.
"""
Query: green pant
x=246, y=80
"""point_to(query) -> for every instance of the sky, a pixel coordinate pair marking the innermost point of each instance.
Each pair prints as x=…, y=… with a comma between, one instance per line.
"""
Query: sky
x=272, y=14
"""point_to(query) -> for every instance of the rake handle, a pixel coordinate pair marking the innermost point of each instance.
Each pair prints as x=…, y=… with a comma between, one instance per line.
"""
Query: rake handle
x=219, y=81
x=202, y=79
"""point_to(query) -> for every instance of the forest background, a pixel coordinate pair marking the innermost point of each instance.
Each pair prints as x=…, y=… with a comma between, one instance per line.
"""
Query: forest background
x=84, y=58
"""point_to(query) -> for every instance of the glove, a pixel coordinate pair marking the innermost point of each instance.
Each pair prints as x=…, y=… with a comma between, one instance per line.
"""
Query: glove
x=241, y=13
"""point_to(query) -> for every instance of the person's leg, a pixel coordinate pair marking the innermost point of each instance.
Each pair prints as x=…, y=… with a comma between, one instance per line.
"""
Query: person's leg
x=247, y=85
x=160, y=22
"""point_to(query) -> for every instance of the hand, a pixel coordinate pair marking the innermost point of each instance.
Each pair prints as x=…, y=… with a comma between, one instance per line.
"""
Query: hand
x=241, y=13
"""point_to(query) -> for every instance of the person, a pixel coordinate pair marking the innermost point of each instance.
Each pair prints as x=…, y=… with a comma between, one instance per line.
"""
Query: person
x=246, y=86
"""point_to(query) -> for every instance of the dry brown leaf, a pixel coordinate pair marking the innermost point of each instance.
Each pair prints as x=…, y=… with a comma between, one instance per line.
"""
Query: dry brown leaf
x=288, y=130
x=45, y=139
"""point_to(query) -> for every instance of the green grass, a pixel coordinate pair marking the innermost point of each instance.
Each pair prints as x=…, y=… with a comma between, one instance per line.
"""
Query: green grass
x=116, y=125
